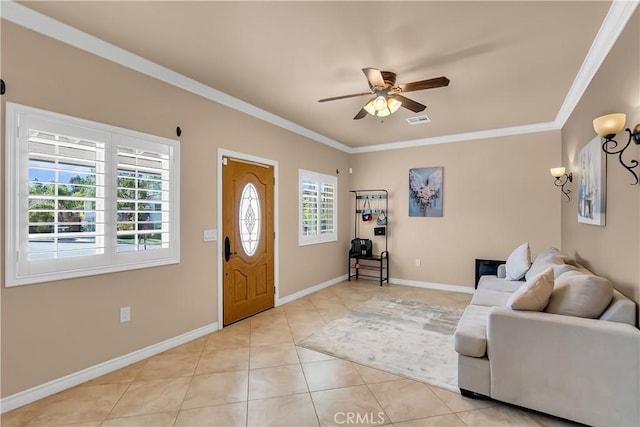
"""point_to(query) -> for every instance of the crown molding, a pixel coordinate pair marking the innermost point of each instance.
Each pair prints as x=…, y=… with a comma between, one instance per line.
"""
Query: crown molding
x=617, y=17
x=614, y=23
x=459, y=137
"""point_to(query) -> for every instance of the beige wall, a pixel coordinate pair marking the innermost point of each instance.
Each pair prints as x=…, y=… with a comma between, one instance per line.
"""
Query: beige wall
x=497, y=194
x=53, y=329
x=613, y=250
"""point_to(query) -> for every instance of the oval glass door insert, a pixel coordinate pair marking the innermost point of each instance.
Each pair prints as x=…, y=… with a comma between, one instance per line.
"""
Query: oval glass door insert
x=249, y=220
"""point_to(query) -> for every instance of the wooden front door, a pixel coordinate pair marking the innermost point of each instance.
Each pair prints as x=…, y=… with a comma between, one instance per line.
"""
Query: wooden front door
x=247, y=227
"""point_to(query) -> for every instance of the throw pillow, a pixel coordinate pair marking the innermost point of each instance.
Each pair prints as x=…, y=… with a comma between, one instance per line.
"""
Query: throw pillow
x=533, y=295
x=518, y=262
x=581, y=295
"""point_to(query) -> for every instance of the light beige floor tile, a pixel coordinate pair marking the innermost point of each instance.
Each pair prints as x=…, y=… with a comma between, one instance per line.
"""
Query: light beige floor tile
x=307, y=355
x=223, y=360
x=85, y=424
x=302, y=314
x=406, y=400
x=348, y=406
x=230, y=337
x=124, y=375
x=229, y=415
x=295, y=410
x=194, y=346
x=329, y=374
x=269, y=322
x=449, y=420
x=150, y=397
x=79, y=404
x=216, y=389
x=372, y=375
x=164, y=419
x=501, y=415
x=273, y=355
x=262, y=337
x=21, y=416
x=549, y=420
x=457, y=403
x=276, y=381
x=169, y=366
x=302, y=304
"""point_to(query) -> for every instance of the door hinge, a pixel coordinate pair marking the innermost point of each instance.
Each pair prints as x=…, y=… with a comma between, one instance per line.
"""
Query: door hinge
x=224, y=161
x=274, y=235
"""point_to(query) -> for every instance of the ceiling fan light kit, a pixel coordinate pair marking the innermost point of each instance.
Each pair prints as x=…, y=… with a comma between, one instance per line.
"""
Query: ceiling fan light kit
x=382, y=107
x=388, y=98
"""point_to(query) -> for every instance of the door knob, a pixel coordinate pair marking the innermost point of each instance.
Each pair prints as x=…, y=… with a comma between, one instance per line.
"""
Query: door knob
x=227, y=249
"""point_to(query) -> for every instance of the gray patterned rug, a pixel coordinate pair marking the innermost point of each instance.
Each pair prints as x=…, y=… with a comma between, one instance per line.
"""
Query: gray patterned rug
x=407, y=338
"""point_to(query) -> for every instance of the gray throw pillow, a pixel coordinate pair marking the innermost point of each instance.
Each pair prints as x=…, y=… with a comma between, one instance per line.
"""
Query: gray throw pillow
x=580, y=295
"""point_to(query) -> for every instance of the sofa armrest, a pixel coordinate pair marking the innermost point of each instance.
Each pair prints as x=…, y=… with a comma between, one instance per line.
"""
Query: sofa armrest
x=587, y=370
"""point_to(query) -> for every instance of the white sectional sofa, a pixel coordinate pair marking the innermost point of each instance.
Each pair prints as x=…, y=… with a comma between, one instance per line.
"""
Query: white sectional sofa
x=578, y=359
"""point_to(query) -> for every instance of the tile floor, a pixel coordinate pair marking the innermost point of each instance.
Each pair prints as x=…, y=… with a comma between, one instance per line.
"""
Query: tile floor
x=252, y=373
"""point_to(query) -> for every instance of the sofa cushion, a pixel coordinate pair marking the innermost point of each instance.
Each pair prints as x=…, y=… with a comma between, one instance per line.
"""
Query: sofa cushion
x=533, y=295
x=581, y=295
x=495, y=283
x=470, y=338
x=491, y=298
x=550, y=257
x=518, y=262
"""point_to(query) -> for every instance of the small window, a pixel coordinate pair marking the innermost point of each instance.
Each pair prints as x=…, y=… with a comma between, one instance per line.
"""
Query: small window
x=85, y=198
x=318, y=208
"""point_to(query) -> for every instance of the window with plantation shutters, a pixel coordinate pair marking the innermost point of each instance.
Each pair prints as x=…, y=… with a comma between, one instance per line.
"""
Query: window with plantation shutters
x=318, y=207
x=85, y=198
x=142, y=200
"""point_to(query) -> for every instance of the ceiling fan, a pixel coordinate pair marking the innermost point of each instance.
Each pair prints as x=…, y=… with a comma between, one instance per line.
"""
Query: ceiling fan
x=388, y=96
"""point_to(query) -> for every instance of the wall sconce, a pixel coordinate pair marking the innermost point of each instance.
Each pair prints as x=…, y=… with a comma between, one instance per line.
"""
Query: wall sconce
x=561, y=179
x=607, y=127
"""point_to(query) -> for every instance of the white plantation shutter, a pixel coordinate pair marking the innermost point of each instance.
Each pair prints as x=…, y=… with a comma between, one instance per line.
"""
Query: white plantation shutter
x=86, y=198
x=142, y=200
x=318, y=203
x=65, y=206
x=326, y=211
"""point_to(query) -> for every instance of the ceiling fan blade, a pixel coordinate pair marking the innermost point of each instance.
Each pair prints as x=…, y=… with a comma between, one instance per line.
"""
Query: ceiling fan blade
x=410, y=104
x=374, y=76
x=344, y=96
x=425, y=84
x=360, y=114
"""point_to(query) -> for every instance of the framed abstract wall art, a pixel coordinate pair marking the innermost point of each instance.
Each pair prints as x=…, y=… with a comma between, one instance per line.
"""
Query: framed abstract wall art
x=425, y=192
x=592, y=184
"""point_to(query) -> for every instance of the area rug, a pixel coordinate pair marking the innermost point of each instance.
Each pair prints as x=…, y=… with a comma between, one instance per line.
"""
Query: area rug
x=407, y=338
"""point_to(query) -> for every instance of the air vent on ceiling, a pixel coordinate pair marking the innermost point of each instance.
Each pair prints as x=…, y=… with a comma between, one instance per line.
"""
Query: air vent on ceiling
x=418, y=120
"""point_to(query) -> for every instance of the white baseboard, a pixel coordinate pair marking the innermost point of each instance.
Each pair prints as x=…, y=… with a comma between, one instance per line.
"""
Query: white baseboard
x=303, y=293
x=47, y=389
x=430, y=285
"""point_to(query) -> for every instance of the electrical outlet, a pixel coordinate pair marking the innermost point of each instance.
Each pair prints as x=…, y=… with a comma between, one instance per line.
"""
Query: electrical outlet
x=418, y=262
x=125, y=314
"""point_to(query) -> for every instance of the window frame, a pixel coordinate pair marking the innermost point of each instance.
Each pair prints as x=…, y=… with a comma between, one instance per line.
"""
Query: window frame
x=319, y=179
x=21, y=271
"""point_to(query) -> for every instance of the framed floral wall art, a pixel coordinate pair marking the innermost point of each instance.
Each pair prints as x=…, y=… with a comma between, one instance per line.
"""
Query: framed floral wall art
x=425, y=192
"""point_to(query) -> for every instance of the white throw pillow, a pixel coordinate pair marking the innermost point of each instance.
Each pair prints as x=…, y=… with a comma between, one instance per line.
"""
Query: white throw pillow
x=533, y=295
x=581, y=295
x=518, y=262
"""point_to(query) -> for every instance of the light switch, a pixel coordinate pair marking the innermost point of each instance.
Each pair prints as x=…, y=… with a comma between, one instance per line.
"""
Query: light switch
x=210, y=235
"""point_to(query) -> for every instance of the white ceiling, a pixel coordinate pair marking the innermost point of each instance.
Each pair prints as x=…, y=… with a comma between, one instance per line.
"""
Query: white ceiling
x=510, y=63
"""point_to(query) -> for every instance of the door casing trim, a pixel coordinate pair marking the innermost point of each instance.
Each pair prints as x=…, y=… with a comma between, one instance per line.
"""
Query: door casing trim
x=276, y=258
